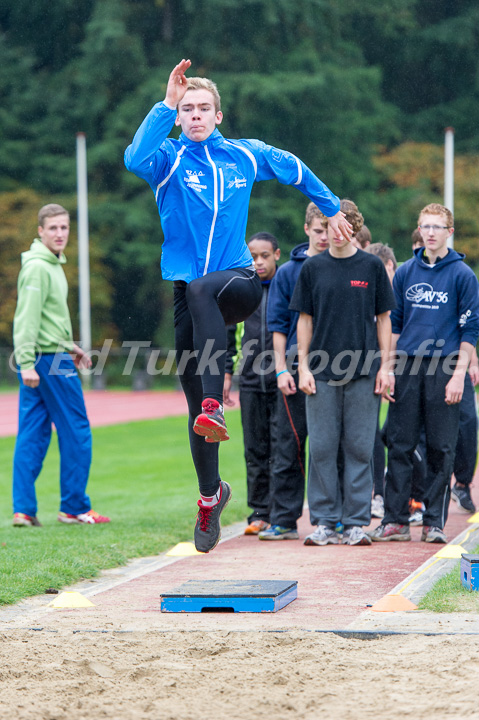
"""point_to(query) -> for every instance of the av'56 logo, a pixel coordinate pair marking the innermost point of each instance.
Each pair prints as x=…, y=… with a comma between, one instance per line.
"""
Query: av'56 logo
x=423, y=292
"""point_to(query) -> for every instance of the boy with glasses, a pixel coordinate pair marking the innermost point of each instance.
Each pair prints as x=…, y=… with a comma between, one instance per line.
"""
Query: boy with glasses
x=435, y=329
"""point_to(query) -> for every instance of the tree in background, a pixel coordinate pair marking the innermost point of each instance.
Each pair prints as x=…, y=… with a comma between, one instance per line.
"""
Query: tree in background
x=19, y=213
x=345, y=84
x=413, y=174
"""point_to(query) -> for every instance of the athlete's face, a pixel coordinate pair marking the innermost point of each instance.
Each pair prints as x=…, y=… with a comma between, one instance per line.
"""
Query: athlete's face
x=264, y=258
x=434, y=232
x=54, y=233
x=197, y=115
x=318, y=236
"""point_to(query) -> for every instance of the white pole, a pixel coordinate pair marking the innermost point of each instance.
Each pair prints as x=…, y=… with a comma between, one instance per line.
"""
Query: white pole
x=449, y=175
x=83, y=252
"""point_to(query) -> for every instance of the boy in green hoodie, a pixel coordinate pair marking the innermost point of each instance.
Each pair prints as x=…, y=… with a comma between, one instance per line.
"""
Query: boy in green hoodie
x=50, y=389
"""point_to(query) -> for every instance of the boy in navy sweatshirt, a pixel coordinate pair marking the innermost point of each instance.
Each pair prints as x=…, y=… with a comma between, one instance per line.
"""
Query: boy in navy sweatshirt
x=435, y=326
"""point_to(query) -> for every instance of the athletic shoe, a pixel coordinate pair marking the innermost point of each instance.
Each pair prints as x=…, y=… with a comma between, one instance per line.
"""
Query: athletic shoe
x=255, y=527
x=415, y=520
x=211, y=422
x=207, y=528
x=462, y=497
x=390, y=531
x=89, y=518
x=322, y=536
x=276, y=532
x=22, y=520
x=377, y=506
x=356, y=536
x=416, y=505
x=432, y=534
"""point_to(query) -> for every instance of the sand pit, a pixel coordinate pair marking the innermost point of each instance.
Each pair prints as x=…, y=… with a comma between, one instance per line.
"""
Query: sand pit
x=235, y=675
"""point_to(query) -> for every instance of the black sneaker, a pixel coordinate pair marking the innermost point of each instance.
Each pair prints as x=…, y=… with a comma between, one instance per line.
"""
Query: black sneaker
x=462, y=496
x=207, y=528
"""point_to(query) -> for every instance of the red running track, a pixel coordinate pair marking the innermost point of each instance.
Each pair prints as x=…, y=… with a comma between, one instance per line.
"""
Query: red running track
x=106, y=408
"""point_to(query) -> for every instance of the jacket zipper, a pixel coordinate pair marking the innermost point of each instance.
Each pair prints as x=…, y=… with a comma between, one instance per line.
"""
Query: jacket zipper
x=215, y=206
x=222, y=185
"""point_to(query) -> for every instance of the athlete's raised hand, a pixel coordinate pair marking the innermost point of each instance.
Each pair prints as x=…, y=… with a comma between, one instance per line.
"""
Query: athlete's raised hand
x=176, y=87
x=339, y=224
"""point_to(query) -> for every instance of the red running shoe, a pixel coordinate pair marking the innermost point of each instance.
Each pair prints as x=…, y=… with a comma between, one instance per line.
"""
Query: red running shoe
x=22, y=520
x=89, y=518
x=211, y=422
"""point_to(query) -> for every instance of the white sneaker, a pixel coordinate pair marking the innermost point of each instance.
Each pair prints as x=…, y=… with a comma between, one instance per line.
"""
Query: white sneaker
x=322, y=536
x=377, y=506
x=415, y=520
x=356, y=536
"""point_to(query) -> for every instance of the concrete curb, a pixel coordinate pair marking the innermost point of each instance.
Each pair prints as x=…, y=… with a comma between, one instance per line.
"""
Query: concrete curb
x=415, y=587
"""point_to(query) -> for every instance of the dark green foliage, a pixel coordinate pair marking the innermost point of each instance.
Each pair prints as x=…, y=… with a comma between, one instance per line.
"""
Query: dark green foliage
x=336, y=82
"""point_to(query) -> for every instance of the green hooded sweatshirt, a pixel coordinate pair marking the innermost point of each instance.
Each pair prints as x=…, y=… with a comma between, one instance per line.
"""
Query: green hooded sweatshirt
x=42, y=319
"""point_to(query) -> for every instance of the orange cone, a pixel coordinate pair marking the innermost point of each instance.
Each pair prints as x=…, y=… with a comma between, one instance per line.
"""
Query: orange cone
x=393, y=603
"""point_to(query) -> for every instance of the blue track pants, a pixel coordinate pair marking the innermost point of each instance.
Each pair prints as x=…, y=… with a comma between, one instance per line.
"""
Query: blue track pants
x=57, y=399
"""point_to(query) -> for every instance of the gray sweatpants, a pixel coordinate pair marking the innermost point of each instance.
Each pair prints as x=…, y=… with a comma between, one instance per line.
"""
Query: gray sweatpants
x=341, y=418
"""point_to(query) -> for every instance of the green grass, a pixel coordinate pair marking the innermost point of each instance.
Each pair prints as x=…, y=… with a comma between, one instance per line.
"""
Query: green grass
x=449, y=595
x=142, y=477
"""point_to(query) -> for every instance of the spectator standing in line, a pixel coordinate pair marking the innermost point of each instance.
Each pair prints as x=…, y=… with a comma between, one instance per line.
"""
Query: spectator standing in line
x=435, y=329
x=362, y=239
x=344, y=298
x=416, y=239
x=250, y=355
x=386, y=254
x=288, y=479
x=466, y=447
x=50, y=389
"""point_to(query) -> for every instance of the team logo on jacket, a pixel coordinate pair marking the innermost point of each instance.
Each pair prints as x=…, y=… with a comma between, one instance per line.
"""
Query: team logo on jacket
x=237, y=182
x=193, y=180
x=423, y=294
x=359, y=283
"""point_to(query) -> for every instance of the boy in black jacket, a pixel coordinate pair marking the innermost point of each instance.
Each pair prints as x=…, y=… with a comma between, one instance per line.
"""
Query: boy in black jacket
x=250, y=353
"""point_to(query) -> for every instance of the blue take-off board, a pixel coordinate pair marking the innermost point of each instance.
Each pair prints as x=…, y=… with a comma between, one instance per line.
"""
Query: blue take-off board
x=470, y=571
x=230, y=596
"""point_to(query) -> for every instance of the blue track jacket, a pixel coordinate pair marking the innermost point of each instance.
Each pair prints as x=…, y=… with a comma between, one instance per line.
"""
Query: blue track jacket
x=437, y=305
x=202, y=190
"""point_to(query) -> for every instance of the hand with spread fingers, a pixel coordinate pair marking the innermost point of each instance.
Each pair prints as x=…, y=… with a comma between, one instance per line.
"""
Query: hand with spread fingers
x=176, y=87
x=339, y=223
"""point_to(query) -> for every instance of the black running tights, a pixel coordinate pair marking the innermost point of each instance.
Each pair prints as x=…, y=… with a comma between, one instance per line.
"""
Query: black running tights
x=203, y=308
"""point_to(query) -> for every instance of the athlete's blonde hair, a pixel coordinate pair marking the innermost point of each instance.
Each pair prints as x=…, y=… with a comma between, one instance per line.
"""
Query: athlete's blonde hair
x=200, y=83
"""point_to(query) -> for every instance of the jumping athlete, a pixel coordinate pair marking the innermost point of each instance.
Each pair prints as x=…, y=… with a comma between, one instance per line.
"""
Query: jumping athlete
x=202, y=185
